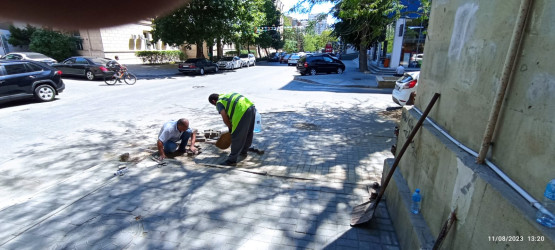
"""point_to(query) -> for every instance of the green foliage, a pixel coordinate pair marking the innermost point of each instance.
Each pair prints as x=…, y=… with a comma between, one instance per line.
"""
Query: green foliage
x=166, y=56
x=271, y=38
x=325, y=38
x=363, y=22
x=234, y=52
x=310, y=42
x=53, y=44
x=197, y=22
x=21, y=37
x=290, y=46
x=250, y=15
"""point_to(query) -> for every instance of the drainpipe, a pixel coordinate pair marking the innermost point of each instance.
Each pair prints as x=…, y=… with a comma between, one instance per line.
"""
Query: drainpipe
x=508, y=66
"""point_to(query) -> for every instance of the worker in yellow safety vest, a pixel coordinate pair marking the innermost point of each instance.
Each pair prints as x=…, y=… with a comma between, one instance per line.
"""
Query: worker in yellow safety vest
x=238, y=113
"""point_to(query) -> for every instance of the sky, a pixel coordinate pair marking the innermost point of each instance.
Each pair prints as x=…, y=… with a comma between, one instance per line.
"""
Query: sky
x=315, y=10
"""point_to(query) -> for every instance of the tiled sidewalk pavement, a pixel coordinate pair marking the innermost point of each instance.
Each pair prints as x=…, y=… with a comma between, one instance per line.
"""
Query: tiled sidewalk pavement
x=190, y=206
x=347, y=147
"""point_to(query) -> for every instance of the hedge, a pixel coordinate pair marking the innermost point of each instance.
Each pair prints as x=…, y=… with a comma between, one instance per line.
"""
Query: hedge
x=165, y=56
x=234, y=52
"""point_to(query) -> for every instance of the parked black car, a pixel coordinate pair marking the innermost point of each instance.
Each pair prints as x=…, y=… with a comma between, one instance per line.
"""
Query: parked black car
x=197, y=66
x=28, y=79
x=89, y=67
x=319, y=64
x=274, y=57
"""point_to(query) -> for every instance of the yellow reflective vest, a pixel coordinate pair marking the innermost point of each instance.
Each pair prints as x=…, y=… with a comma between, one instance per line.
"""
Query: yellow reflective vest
x=235, y=106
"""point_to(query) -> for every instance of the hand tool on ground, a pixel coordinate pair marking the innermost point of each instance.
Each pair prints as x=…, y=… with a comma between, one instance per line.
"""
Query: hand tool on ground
x=256, y=150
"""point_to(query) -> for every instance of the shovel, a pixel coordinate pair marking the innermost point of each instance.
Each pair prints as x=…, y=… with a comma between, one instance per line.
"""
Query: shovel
x=364, y=212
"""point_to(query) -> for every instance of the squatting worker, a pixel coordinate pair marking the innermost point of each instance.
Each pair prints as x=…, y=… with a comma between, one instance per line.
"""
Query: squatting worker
x=171, y=133
x=238, y=114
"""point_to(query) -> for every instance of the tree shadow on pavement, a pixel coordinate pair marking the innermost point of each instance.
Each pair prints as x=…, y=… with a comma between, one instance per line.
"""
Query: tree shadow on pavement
x=318, y=163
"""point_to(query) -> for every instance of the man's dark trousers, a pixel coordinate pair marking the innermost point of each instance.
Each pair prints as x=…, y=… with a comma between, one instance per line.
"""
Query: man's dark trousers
x=241, y=138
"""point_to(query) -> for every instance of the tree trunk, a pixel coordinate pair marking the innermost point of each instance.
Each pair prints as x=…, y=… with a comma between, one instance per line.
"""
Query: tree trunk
x=384, y=49
x=362, y=59
x=210, y=51
x=267, y=54
x=259, y=54
x=200, y=52
x=375, y=52
x=220, y=49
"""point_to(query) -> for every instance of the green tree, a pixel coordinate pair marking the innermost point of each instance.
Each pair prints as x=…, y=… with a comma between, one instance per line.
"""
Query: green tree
x=21, y=37
x=325, y=38
x=361, y=22
x=197, y=22
x=310, y=42
x=53, y=44
x=290, y=46
x=250, y=16
x=270, y=38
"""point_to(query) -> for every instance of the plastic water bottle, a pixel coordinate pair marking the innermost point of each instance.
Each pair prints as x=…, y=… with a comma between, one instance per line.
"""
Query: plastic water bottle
x=415, y=204
x=257, y=123
x=121, y=171
x=546, y=216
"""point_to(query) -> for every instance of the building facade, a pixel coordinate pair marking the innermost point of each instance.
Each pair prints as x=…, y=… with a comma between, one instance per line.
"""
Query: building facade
x=122, y=41
x=467, y=50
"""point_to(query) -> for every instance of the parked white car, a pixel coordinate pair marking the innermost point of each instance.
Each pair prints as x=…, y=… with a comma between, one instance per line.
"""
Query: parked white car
x=293, y=59
x=31, y=56
x=405, y=89
x=230, y=62
x=248, y=60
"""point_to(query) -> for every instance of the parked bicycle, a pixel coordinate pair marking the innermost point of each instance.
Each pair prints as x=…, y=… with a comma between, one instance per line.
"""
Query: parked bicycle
x=129, y=78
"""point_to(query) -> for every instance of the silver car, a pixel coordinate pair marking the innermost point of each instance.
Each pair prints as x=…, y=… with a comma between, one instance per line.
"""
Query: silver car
x=248, y=60
x=31, y=56
x=230, y=62
x=293, y=59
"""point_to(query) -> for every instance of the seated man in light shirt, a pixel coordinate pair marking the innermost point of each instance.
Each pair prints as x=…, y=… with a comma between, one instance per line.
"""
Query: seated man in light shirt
x=400, y=70
x=171, y=133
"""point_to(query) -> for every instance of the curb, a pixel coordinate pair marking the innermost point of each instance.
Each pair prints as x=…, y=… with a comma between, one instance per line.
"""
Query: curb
x=157, y=75
x=298, y=78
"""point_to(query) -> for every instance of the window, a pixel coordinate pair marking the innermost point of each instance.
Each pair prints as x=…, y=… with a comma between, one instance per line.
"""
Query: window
x=78, y=43
x=14, y=57
x=12, y=69
x=327, y=59
x=316, y=59
x=81, y=60
x=101, y=61
x=69, y=61
x=33, y=67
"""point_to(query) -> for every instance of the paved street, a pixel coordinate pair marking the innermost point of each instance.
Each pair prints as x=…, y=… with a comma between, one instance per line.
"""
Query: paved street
x=323, y=145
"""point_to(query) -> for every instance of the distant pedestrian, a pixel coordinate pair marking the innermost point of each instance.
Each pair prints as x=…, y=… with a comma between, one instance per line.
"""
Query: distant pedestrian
x=171, y=133
x=238, y=114
x=400, y=71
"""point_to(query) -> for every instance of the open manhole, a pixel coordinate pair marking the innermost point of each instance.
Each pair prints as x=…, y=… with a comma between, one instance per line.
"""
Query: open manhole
x=306, y=126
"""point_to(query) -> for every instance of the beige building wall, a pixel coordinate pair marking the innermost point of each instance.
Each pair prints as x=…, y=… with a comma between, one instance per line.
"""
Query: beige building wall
x=466, y=46
x=122, y=41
